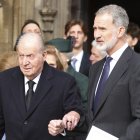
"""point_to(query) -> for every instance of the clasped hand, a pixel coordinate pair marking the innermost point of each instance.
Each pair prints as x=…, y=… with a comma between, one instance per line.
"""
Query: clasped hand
x=69, y=122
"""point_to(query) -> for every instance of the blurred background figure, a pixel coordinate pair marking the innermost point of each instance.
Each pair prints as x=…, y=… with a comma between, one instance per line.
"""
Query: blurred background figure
x=133, y=34
x=31, y=25
x=63, y=46
x=53, y=57
x=8, y=60
x=96, y=52
x=62, y=49
x=80, y=60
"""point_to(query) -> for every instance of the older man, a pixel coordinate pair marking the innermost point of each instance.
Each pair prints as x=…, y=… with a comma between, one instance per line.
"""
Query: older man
x=96, y=52
x=32, y=95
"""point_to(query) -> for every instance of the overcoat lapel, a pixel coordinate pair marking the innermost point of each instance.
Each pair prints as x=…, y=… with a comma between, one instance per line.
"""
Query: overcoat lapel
x=17, y=89
x=42, y=90
x=96, y=70
x=119, y=69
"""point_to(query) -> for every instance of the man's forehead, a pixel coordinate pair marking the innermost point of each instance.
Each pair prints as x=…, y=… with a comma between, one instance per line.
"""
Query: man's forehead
x=103, y=19
x=75, y=27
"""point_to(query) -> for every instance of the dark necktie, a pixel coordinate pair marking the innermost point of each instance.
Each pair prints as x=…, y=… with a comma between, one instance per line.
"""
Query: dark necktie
x=30, y=93
x=100, y=88
x=73, y=63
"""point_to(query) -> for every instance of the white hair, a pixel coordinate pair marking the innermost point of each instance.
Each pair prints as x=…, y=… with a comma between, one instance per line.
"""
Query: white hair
x=30, y=37
x=119, y=14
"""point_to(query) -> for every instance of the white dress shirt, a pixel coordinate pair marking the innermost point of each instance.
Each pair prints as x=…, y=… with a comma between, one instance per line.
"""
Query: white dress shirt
x=35, y=85
x=79, y=59
x=116, y=55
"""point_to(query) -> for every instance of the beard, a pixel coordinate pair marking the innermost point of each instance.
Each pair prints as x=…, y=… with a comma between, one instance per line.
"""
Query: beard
x=108, y=45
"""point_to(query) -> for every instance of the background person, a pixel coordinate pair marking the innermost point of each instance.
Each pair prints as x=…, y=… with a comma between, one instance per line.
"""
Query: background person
x=96, y=53
x=133, y=33
x=8, y=60
x=77, y=29
x=64, y=47
x=53, y=57
x=29, y=26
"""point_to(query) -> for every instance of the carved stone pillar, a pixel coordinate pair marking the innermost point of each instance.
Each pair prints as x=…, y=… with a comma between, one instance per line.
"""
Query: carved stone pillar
x=54, y=15
x=6, y=24
x=48, y=16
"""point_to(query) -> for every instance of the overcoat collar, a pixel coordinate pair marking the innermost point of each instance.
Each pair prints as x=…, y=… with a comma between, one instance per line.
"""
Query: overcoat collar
x=42, y=90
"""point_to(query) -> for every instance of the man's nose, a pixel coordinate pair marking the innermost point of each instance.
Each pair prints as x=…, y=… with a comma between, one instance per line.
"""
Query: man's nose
x=25, y=60
x=75, y=35
x=97, y=34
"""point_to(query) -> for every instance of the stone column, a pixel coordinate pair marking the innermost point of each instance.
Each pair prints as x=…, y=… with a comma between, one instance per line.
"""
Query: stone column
x=54, y=16
x=6, y=24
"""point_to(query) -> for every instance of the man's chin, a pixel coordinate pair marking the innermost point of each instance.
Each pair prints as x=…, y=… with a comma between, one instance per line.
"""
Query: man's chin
x=102, y=47
x=76, y=46
x=27, y=73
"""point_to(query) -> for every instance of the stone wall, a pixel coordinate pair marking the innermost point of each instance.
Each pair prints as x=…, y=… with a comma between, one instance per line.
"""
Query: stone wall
x=50, y=14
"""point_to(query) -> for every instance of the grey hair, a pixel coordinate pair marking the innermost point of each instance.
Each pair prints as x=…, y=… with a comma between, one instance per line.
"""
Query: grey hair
x=29, y=37
x=94, y=44
x=119, y=14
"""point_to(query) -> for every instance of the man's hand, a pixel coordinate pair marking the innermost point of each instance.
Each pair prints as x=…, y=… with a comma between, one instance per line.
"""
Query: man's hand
x=55, y=127
x=70, y=120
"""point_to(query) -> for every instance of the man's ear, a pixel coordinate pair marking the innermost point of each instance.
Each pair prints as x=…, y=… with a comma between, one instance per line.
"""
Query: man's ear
x=121, y=31
x=85, y=39
x=44, y=54
x=134, y=41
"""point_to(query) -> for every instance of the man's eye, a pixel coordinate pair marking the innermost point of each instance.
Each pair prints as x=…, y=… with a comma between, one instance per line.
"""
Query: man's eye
x=31, y=56
x=21, y=56
x=71, y=33
x=80, y=32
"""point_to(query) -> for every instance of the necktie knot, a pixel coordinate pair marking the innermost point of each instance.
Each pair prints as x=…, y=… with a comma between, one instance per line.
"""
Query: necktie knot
x=31, y=84
x=107, y=67
x=108, y=59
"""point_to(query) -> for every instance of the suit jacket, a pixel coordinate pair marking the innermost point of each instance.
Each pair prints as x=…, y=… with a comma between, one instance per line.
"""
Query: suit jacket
x=85, y=64
x=118, y=112
x=55, y=95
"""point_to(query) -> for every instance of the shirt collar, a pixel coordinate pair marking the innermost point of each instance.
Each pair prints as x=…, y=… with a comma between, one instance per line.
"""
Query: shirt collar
x=116, y=55
x=79, y=56
x=35, y=80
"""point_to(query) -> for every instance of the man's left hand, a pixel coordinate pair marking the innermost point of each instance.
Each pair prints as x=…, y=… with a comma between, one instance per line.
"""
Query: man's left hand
x=70, y=120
